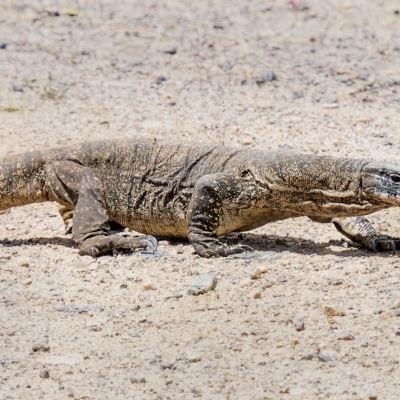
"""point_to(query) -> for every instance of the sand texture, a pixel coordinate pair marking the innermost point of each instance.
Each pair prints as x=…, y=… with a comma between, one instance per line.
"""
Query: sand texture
x=305, y=317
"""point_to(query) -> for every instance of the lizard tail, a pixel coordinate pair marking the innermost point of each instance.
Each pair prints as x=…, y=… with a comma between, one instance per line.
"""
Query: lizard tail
x=22, y=180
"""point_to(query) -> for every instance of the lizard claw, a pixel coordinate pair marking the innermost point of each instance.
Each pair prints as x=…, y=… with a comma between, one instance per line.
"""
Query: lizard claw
x=209, y=254
x=393, y=247
x=246, y=248
x=68, y=229
x=373, y=246
x=151, y=243
x=94, y=252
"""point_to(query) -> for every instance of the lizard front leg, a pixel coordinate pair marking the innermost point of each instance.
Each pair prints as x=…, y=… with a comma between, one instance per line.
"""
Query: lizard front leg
x=77, y=188
x=360, y=230
x=211, y=194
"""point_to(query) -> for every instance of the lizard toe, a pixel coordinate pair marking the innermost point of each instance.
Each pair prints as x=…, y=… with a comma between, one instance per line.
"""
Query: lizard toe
x=98, y=245
x=205, y=252
x=210, y=254
x=237, y=249
x=221, y=250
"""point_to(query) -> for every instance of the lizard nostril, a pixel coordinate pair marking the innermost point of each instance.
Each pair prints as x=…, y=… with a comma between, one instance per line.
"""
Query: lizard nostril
x=395, y=178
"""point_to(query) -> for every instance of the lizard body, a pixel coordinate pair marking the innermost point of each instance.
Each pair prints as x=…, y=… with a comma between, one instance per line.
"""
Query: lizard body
x=197, y=191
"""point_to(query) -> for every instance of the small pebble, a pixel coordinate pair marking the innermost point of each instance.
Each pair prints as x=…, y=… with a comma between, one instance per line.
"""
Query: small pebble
x=346, y=336
x=297, y=95
x=299, y=324
x=331, y=100
x=41, y=346
x=396, y=313
x=330, y=105
x=167, y=365
x=255, y=294
x=160, y=80
x=202, y=284
x=3, y=45
x=17, y=87
x=363, y=75
x=324, y=358
x=138, y=379
x=334, y=311
x=95, y=328
x=256, y=274
x=44, y=373
x=179, y=249
x=247, y=142
x=27, y=282
x=167, y=49
x=268, y=76
x=148, y=286
x=193, y=357
x=386, y=314
x=71, y=12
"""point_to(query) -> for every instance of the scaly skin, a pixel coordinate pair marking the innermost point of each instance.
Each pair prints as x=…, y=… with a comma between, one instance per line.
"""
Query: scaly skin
x=197, y=191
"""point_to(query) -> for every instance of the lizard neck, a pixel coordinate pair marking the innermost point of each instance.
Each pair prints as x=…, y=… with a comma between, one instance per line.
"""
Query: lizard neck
x=315, y=186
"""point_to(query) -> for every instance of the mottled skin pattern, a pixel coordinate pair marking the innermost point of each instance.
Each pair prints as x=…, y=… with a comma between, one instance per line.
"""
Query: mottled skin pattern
x=197, y=191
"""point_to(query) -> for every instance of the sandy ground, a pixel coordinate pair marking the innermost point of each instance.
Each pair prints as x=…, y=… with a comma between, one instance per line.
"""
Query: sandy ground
x=196, y=71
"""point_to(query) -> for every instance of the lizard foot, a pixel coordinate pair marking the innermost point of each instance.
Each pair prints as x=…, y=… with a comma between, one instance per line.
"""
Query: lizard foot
x=221, y=250
x=383, y=243
x=98, y=245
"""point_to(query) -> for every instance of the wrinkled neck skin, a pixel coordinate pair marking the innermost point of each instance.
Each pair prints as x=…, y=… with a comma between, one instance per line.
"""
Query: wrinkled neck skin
x=317, y=186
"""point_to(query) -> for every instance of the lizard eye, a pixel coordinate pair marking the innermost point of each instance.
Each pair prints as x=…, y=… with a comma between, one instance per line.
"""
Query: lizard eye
x=395, y=178
x=246, y=174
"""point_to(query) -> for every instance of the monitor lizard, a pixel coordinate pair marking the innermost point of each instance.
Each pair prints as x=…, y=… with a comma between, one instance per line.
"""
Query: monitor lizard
x=197, y=191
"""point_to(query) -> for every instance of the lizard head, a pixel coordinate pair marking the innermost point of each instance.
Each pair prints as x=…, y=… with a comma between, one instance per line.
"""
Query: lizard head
x=381, y=182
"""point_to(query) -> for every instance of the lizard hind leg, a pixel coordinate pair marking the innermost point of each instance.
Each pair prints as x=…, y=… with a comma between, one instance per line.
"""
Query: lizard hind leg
x=77, y=188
